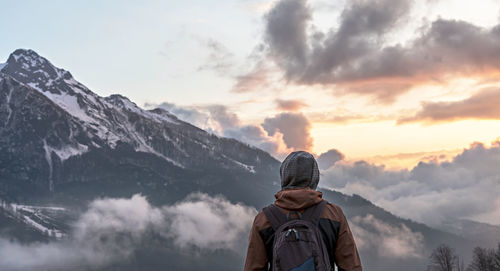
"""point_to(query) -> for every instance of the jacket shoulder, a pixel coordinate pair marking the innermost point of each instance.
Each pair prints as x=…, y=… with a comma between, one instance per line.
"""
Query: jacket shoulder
x=261, y=222
x=333, y=212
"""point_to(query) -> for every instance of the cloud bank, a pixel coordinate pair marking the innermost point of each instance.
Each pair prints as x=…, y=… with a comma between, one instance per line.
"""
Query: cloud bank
x=111, y=229
x=387, y=240
x=208, y=222
x=465, y=187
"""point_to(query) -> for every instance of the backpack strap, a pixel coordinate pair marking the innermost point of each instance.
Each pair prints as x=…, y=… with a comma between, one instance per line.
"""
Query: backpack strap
x=275, y=216
x=313, y=213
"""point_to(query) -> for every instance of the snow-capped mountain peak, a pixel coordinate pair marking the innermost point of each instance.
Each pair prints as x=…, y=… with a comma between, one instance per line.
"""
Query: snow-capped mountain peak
x=97, y=122
x=67, y=120
x=27, y=66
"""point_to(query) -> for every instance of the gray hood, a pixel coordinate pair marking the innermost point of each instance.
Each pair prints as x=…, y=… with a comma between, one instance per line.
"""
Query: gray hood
x=299, y=169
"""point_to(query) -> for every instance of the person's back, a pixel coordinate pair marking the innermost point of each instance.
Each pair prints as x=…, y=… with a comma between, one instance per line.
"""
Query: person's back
x=299, y=178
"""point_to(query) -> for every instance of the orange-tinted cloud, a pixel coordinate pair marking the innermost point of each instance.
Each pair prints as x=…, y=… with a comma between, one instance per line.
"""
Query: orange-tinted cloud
x=482, y=105
x=345, y=118
x=295, y=128
x=290, y=105
x=384, y=90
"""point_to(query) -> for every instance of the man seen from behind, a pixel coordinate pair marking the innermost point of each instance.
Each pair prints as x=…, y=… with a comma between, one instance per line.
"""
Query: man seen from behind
x=299, y=199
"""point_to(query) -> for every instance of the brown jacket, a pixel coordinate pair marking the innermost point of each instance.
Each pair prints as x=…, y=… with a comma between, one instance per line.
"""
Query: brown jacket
x=333, y=224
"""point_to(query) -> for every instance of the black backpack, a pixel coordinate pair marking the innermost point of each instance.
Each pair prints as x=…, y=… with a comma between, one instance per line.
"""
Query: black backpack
x=298, y=244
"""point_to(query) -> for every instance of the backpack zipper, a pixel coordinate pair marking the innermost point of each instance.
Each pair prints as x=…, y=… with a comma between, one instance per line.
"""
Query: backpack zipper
x=294, y=231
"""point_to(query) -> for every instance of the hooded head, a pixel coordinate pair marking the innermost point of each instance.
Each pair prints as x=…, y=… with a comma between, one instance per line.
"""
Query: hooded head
x=299, y=169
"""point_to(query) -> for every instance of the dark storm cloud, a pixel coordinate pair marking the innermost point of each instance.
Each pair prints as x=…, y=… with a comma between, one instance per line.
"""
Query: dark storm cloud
x=362, y=24
x=295, y=128
x=446, y=47
x=355, y=57
x=482, y=105
x=286, y=34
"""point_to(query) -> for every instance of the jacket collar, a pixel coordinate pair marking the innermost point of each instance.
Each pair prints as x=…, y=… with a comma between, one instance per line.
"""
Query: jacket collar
x=297, y=198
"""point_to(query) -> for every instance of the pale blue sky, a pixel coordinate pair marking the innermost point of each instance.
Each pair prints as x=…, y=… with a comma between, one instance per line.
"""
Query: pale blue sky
x=149, y=51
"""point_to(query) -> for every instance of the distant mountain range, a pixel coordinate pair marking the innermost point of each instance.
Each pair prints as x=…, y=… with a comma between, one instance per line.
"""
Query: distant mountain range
x=62, y=144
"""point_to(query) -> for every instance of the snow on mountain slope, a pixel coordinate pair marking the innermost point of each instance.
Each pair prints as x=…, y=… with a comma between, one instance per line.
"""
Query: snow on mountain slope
x=41, y=218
